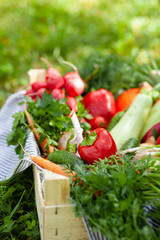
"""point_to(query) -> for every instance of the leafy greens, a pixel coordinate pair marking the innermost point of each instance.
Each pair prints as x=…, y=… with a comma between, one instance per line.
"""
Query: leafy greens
x=111, y=194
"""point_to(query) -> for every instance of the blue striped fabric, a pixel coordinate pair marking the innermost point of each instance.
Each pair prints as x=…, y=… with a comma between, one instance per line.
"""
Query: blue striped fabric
x=97, y=235
x=10, y=163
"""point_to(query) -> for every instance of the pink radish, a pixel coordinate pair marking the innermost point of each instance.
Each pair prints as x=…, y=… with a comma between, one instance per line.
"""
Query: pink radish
x=38, y=85
x=73, y=83
x=57, y=93
x=31, y=94
x=72, y=103
x=40, y=92
x=53, y=77
x=36, y=94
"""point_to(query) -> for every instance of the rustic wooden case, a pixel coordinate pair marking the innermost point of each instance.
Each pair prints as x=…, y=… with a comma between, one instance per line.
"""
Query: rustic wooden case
x=57, y=219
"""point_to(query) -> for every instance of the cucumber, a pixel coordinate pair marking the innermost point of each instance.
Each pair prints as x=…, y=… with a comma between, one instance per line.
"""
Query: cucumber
x=131, y=143
x=130, y=125
x=65, y=158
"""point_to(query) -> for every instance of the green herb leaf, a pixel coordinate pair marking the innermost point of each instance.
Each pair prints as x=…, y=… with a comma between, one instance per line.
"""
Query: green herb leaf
x=82, y=112
x=89, y=139
x=46, y=100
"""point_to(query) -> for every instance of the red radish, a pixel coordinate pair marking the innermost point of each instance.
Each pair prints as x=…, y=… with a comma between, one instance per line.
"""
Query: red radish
x=98, y=122
x=35, y=94
x=73, y=83
x=38, y=85
x=31, y=94
x=57, y=93
x=40, y=92
x=72, y=103
x=53, y=77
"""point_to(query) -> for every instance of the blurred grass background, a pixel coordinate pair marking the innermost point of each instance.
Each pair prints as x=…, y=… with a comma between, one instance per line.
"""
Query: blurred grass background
x=30, y=29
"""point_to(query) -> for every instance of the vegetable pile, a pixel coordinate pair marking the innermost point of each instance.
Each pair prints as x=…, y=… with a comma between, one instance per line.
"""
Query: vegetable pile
x=108, y=145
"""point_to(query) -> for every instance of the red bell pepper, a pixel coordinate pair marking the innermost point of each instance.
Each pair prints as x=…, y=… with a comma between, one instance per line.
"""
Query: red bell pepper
x=100, y=103
x=98, y=144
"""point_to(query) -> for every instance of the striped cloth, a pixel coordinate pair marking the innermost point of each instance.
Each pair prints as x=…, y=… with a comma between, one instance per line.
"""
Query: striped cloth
x=97, y=235
x=92, y=234
x=10, y=163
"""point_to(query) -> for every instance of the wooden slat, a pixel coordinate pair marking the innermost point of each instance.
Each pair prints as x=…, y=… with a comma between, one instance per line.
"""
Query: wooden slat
x=56, y=221
x=56, y=188
x=60, y=223
x=36, y=75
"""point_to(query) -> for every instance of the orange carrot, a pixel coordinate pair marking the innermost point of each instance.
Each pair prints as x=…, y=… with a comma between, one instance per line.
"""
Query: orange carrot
x=46, y=164
x=36, y=133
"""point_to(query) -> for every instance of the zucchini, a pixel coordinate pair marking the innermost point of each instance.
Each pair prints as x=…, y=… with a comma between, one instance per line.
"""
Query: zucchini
x=153, y=119
x=130, y=125
x=65, y=158
x=131, y=143
x=115, y=120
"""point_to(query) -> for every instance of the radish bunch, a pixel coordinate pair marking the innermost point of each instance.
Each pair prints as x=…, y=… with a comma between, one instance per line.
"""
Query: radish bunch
x=70, y=85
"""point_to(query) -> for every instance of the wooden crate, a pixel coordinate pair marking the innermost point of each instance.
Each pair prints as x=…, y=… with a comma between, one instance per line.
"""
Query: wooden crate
x=57, y=219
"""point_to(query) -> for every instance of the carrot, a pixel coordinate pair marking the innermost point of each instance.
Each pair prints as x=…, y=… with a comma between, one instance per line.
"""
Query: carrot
x=46, y=164
x=36, y=133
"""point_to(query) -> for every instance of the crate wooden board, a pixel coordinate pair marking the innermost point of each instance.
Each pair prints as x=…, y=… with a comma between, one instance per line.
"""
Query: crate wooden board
x=57, y=219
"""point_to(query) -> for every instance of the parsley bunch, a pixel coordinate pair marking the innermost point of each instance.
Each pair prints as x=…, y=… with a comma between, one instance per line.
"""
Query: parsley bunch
x=50, y=118
x=110, y=194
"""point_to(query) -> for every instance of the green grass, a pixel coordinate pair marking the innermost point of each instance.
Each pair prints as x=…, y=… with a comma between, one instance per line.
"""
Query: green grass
x=72, y=30
x=18, y=215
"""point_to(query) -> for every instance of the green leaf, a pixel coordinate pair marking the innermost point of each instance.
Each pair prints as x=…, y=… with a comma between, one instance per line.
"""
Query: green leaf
x=7, y=226
x=46, y=100
x=89, y=139
x=111, y=198
x=122, y=178
x=82, y=112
